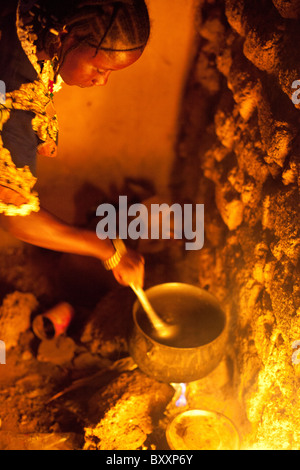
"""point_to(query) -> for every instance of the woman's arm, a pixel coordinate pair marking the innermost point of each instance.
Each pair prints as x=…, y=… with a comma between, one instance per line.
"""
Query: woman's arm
x=44, y=230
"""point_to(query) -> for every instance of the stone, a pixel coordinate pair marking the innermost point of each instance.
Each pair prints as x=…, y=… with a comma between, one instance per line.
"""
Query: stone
x=129, y=406
x=30, y=382
x=27, y=355
x=263, y=52
x=225, y=128
x=250, y=158
x=236, y=177
x=224, y=61
x=207, y=75
x=86, y=361
x=231, y=209
x=219, y=152
x=107, y=330
x=215, y=230
x=235, y=13
x=243, y=81
x=58, y=351
x=288, y=8
x=290, y=174
x=15, y=315
x=278, y=145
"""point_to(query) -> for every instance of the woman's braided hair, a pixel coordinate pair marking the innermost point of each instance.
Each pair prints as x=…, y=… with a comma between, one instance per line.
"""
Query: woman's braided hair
x=101, y=24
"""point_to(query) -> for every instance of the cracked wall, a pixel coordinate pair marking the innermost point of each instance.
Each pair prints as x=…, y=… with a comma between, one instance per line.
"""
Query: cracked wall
x=238, y=153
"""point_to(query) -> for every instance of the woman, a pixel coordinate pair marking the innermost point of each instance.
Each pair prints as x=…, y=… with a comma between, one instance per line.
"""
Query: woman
x=42, y=44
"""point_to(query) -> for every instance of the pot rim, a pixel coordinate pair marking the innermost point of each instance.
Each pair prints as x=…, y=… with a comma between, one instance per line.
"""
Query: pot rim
x=209, y=413
x=173, y=285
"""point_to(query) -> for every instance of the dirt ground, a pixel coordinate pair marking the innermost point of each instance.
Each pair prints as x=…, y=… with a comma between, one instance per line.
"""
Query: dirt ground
x=82, y=389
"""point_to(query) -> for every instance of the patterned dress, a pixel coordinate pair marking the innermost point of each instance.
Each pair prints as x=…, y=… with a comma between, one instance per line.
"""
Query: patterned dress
x=28, y=122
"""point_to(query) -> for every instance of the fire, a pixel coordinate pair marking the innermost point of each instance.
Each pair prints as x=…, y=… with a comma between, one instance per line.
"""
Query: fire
x=180, y=398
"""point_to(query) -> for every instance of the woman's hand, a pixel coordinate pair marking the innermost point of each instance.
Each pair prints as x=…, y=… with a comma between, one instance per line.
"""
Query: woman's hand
x=130, y=269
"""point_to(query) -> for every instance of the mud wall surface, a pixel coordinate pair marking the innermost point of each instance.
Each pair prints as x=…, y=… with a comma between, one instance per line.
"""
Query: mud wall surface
x=238, y=153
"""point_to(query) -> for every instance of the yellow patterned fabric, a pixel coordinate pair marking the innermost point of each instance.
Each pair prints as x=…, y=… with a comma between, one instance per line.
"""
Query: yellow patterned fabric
x=19, y=180
x=36, y=98
x=28, y=102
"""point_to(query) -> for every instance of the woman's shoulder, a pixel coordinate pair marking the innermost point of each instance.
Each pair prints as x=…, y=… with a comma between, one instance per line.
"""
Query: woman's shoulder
x=15, y=66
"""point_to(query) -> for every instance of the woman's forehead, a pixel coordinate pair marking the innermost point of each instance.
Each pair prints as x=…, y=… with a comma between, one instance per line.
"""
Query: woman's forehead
x=115, y=60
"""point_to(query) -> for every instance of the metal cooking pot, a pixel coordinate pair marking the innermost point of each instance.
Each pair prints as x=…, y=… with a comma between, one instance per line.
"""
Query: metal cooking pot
x=201, y=340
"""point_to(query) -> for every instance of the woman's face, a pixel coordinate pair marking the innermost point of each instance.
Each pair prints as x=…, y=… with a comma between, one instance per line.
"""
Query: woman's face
x=83, y=68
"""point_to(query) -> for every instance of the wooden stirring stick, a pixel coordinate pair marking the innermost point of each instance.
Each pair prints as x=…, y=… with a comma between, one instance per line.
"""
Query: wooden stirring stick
x=163, y=329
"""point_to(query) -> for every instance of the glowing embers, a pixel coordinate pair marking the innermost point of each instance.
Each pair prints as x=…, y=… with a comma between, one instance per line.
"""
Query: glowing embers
x=202, y=430
x=198, y=429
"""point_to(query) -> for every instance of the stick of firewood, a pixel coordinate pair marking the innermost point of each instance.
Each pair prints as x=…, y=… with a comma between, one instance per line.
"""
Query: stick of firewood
x=122, y=365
